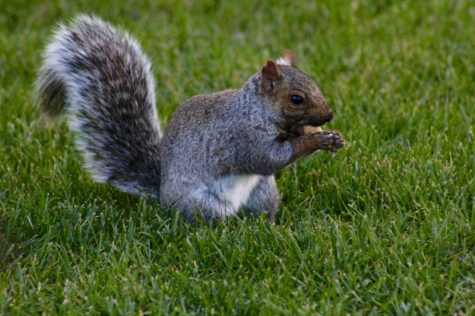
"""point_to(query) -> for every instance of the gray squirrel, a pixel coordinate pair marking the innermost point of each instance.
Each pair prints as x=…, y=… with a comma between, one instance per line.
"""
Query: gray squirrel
x=219, y=152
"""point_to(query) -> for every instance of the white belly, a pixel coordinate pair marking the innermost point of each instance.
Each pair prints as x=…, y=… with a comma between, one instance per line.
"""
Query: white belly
x=235, y=191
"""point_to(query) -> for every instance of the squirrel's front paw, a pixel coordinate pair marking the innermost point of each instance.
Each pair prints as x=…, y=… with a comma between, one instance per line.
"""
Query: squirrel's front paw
x=329, y=140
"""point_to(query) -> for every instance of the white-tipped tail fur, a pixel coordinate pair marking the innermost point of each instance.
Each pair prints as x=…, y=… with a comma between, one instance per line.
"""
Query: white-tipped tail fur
x=100, y=78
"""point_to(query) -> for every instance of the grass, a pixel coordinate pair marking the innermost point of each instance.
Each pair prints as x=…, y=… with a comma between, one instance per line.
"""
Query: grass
x=386, y=226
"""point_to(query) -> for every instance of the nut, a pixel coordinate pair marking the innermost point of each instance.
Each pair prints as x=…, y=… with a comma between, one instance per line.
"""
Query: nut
x=308, y=129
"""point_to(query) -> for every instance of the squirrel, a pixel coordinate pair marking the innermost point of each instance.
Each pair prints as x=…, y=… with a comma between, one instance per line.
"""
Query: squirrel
x=219, y=152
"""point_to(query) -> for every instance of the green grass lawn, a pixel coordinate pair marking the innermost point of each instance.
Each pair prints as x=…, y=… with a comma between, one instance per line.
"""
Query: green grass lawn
x=386, y=226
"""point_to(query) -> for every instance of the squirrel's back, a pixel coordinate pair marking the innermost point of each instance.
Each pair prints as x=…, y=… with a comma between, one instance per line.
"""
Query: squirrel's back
x=100, y=78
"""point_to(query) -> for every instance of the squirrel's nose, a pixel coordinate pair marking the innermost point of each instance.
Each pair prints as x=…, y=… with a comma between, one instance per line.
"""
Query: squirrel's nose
x=329, y=116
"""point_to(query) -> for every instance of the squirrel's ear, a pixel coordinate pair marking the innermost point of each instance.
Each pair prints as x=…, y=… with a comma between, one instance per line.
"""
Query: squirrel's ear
x=287, y=59
x=270, y=73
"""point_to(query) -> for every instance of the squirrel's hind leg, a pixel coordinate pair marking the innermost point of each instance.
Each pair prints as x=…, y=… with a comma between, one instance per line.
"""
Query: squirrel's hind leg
x=194, y=203
x=264, y=198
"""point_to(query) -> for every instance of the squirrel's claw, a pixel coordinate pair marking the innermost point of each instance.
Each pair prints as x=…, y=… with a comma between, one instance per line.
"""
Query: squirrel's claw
x=330, y=140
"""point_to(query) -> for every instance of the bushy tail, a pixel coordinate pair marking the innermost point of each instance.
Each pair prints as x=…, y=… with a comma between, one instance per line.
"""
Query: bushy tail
x=100, y=79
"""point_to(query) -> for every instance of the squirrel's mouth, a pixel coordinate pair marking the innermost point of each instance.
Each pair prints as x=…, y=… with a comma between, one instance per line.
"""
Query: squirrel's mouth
x=315, y=123
x=304, y=126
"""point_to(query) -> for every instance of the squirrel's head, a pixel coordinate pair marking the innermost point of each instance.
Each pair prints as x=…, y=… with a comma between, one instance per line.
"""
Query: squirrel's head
x=296, y=96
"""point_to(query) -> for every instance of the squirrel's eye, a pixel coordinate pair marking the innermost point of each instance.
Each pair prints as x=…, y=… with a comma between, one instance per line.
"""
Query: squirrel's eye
x=296, y=99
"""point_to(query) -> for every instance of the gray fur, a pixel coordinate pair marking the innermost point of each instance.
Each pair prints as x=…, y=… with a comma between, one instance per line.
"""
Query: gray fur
x=265, y=196
x=214, y=136
x=100, y=78
x=218, y=153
